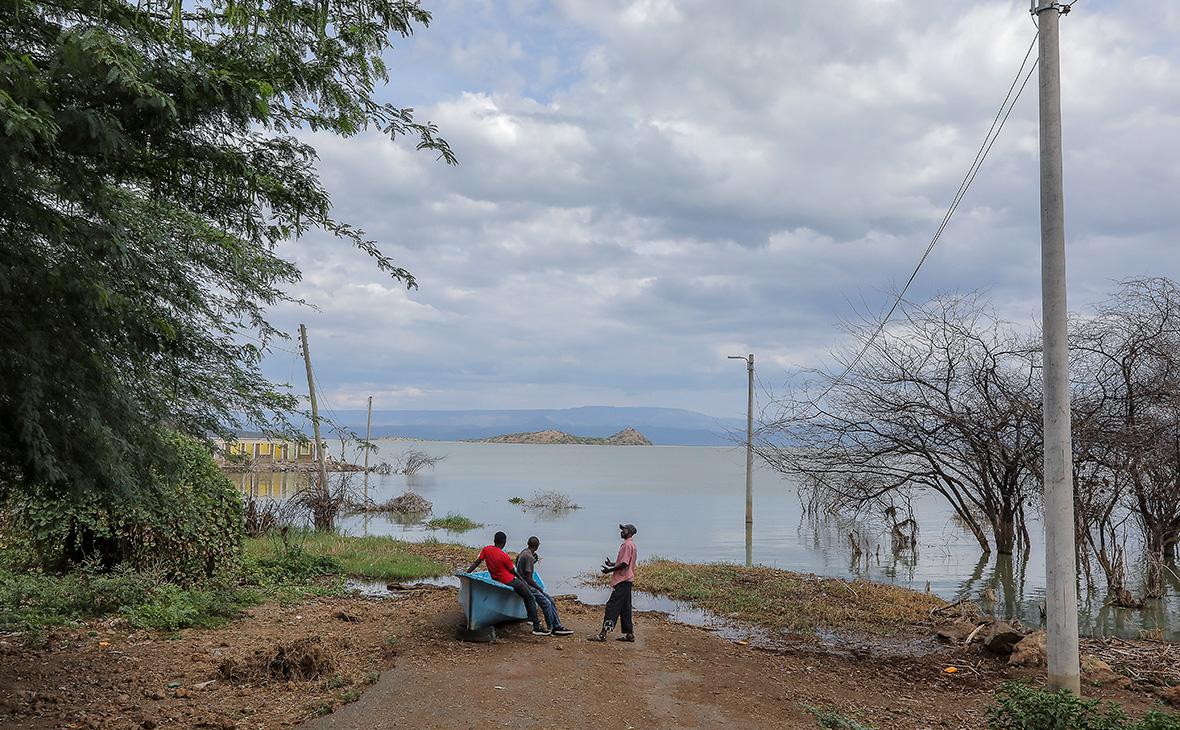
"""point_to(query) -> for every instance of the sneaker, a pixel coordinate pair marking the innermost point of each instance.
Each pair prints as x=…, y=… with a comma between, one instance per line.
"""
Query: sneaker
x=538, y=631
x=562, y=631
x=627, y=637
x=596, y=637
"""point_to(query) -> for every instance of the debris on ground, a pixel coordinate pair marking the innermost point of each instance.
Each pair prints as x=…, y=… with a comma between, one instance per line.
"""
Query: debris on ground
x=305, y=658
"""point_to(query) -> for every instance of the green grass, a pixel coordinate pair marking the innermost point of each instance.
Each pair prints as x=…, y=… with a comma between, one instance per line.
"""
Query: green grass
x=33, y=601
x=379, y=558
x=1018, y=706
x=829, y=719
x=787, y=601
x=452, y=523
x=307, y=564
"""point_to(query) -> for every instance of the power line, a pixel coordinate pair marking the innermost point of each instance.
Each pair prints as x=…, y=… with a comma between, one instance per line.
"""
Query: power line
x=993, y=133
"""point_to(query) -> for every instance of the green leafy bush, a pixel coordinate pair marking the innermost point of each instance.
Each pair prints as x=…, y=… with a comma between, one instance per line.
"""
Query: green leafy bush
x=170, y=607
x=1021, y=707
x=185, y=527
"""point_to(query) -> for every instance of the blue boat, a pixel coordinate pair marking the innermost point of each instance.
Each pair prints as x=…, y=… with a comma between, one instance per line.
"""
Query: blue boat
x=488, y=602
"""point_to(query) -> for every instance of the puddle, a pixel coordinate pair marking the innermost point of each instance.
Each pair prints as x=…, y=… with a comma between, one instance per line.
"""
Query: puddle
x=827, y=642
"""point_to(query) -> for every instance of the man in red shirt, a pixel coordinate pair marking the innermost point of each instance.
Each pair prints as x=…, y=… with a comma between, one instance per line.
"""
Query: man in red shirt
x=503, y=569
x=622, y=574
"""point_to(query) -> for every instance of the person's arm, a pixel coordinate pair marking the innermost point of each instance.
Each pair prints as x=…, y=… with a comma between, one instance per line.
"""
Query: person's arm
x=610, y=567
x=476, y=563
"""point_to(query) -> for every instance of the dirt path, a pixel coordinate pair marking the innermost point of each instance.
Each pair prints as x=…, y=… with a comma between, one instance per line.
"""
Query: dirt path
x=674, y=676
x=102, y=677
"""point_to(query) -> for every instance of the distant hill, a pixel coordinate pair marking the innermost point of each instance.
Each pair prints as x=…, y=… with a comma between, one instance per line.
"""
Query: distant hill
x=626, y=437
x=663, y=426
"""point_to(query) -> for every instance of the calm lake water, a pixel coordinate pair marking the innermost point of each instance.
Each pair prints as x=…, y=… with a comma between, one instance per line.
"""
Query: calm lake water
x=689, y=504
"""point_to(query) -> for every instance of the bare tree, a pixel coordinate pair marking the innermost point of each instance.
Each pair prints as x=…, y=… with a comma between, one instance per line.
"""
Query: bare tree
x=944, y=400
x=1127, y=385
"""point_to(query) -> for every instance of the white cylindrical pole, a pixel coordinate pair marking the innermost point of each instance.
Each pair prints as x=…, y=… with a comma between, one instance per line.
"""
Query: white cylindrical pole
x=1061, y=601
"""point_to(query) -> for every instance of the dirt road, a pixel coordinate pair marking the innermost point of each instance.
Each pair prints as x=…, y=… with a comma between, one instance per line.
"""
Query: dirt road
x=103, y=676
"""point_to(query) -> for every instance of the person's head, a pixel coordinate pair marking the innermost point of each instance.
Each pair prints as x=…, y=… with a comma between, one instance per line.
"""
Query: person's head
x=500, y=540
x=534, y=543
x=627, y=530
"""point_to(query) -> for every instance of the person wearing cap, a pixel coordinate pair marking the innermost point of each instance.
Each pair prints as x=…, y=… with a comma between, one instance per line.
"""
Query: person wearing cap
x=622, y=575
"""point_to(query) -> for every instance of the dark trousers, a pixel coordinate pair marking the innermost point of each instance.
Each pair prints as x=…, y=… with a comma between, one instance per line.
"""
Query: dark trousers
x=618, y=608
x=530, y=603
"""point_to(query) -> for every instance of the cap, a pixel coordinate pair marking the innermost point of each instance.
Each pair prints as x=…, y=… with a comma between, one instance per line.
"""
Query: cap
x=629, y=528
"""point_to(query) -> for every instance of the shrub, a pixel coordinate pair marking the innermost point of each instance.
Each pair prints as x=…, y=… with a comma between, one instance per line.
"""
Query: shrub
x=1021, y=707
x=830, y=719
x=186, y=526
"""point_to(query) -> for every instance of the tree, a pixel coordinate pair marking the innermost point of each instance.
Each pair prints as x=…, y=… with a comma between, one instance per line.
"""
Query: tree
x=1127, y=393
x=946, y=400
x=150, y=169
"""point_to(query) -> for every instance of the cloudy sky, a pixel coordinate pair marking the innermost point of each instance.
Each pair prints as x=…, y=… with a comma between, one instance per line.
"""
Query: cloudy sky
x=647, y=186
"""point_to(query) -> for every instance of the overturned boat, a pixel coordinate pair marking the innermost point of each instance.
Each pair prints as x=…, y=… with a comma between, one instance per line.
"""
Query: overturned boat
x=487, y=602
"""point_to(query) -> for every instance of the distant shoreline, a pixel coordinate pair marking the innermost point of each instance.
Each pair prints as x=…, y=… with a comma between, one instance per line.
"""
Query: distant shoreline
x=626, y=437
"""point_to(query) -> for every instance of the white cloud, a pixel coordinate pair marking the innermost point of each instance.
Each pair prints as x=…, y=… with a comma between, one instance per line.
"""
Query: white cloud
x=688, y=177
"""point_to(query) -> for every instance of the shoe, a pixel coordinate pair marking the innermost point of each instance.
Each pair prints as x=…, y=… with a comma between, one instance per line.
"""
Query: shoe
x=595, y=637
x=538, y=631
x=628, y=637
x=562, y=631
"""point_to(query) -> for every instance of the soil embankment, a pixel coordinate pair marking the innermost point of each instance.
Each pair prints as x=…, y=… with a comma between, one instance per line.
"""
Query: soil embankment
x=394, y=662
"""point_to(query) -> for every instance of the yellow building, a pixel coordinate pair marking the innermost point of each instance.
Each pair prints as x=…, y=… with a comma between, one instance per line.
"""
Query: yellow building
x=263, y=448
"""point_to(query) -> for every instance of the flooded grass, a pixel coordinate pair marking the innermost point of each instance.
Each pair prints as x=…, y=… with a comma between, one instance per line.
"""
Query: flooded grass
x=786, y=601
x=452, y=523
x=379, y=558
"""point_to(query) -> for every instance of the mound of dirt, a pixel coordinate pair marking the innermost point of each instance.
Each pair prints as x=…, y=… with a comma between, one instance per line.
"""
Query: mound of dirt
x=305, y=658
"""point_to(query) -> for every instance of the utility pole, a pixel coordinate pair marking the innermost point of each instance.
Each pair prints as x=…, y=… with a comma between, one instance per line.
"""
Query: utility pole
x=749, y=436
x=315, y=413
x=1061, y=600
x=368, y=436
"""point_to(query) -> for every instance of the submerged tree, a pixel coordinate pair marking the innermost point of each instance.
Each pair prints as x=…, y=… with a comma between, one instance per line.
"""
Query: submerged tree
x=1127, y=409
x=944, y=400
x=150, y=170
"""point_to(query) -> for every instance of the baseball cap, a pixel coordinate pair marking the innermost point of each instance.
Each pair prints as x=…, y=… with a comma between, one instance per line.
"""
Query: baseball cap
x=629, y=528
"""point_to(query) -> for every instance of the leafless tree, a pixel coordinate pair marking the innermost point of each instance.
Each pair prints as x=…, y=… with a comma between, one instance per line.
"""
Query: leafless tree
x=414, y=460
x=943, y=400
x=1127, y=407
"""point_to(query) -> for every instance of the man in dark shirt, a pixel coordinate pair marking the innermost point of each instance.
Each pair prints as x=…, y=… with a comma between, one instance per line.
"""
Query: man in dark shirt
x=501, y=568
x=525, y=565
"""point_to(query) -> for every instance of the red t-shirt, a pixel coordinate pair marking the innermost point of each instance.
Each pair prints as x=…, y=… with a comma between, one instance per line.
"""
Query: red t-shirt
x=499, y=564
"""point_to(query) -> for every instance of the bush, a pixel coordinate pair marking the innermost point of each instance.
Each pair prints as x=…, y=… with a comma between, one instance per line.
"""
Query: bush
x=1021, y=707
x=170, y=607
x=830, y=719
x=185, y=527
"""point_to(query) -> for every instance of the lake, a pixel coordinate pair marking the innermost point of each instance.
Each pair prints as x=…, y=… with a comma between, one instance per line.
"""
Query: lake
x=688, y=503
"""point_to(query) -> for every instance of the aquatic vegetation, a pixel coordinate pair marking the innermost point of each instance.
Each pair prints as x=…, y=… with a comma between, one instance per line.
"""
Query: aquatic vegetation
x=452, y=523
x=516, y=500
x=550, y=501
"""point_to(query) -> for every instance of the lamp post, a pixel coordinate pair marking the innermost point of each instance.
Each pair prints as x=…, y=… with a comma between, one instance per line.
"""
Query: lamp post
x=749, y=359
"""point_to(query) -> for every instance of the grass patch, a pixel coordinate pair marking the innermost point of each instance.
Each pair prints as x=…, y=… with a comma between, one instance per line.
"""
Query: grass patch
x=379, y=558
x=452, y=523
x=829, y=719
x=787, y=601
x=1018, y=706
x=30, y=602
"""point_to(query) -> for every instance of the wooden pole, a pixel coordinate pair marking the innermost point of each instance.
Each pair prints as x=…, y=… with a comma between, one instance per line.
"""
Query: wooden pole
x=315, y=414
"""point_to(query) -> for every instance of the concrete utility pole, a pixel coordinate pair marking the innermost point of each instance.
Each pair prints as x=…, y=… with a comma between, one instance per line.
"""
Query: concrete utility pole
x=1061, y=600
x=749, y=435
x=368, y=437
x=315, y=413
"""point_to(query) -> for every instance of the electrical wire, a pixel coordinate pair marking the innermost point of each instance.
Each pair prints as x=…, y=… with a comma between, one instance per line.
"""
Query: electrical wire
x=985, y=147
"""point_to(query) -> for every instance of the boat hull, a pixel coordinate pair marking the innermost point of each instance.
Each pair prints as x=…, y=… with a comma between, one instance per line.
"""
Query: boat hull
x=487, y=602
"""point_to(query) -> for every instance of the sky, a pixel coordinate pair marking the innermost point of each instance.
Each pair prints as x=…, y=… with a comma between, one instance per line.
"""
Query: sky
x=648, y=186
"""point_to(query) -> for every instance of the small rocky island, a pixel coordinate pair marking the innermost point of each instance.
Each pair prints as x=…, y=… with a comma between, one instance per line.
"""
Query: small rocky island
x=626, y=437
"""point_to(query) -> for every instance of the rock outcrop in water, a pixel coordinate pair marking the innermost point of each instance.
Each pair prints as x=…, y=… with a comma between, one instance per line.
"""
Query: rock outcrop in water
x=626, y=437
